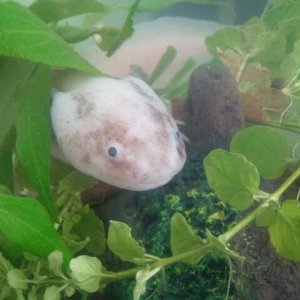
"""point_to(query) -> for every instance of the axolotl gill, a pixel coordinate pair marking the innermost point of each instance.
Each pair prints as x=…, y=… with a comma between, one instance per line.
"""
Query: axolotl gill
x=118, y=131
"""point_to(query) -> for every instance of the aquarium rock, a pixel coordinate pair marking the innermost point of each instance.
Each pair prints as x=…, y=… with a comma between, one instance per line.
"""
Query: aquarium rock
x=119, y=131
x=214, y=107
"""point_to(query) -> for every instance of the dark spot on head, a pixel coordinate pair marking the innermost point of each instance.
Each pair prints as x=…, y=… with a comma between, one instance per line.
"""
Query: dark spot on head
x=84, y=107
x=86, y=158
x=141, y=91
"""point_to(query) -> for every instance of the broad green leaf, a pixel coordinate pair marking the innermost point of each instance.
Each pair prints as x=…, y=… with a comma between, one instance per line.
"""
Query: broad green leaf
x=17, y=279
x=5, y=264
x=142, y=277
x=24, y=35
x=113, y=38
x=55, y=10
x=166, y=59
x=86, y=272
x=55, y=262
x=225, y=38
x=34, y=133
x=122, y=244
x=52, y=293
x=234, y=179
x=26, y=223
x=265, y=147
x=284, y=232
x=265, y=45
x=284, y=17
x=91, y=226
x=290, y=65
x=266, y=216
x=76, y=182
x=6, y=170
x=184, y=239
x=13, y=74
x=10, y=250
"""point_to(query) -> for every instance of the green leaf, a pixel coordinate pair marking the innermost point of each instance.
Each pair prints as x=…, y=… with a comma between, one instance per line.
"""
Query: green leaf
x=234, y=179
x=55, y=261
x=284, y=17
x=24, y=35
x=290, y=65
x=55, y=10
x=86, y=272
x=122, y=244
x=153, y=5
x=26, y=223
x=112, y=38
x=17, y=279
x=76, y=182
x=184, y=239
x=266, y=216
x=13, y=74
x=166, y=59
x=6, y=170
x=284, y=232
x=52, y=293
x=142, y=277
x=34, y=133
x=10, y=250
x=74, y=34
x=91, y=226
x=265, y=45
x=265, y=147
x=225, y=38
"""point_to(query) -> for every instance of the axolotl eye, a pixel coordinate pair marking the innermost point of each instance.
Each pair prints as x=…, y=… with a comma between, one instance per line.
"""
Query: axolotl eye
x=176, y=135
x=114, y=151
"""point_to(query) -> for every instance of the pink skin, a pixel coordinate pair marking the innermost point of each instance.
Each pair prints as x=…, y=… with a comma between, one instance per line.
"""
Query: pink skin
x=148, y=43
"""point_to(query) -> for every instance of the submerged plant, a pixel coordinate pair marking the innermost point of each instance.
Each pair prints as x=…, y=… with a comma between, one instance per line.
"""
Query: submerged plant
x=51, y=249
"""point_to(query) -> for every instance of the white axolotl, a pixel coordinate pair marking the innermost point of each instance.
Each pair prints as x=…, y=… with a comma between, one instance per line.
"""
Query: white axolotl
x=148, y=43
x=118, y=130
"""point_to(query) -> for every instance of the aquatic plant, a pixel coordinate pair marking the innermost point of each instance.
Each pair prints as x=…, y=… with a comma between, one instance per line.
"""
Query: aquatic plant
x=42, y=250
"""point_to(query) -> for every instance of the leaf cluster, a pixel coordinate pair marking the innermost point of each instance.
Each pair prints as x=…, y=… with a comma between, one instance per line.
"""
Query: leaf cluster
x=263, y=55
x=255, y=152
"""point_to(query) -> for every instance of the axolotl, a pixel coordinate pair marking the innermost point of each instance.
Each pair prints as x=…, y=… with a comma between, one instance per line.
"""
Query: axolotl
x=119, y=131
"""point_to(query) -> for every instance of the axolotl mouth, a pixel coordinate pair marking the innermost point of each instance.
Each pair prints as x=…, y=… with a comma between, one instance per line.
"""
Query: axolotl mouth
x=119, y=131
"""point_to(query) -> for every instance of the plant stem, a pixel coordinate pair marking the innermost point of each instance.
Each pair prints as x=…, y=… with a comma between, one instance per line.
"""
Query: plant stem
x=276, y=195
x=240, y=225
x=161, y=262
x=250, y=217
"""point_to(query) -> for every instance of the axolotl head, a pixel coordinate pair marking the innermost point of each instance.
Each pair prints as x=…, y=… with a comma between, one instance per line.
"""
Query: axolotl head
x=119, y=131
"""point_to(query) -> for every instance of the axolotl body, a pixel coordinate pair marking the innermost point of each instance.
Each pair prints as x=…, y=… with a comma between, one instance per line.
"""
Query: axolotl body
x=119, y=131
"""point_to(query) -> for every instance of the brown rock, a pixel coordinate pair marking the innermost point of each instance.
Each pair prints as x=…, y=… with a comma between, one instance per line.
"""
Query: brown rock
x=215, y=108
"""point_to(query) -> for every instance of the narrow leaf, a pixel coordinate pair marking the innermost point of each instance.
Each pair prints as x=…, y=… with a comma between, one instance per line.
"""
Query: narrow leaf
x=166, y=59
x=113, y=38
x=234, y=179
x=184, y=239
x=122, y=244
x=55, y=10
x=34, y=132
x=91, y=226
x=23, y=35
x=26, y=223
x=284, y=232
